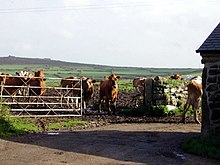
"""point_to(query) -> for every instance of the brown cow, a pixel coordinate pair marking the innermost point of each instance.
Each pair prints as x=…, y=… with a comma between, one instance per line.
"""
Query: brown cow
x=138, y=84
x=10, y=85
x=176, y=76
x=194, y=97
x=109, y=92
x=87, y=87
x=37, y=84
x=68, y=82
x=26, y=75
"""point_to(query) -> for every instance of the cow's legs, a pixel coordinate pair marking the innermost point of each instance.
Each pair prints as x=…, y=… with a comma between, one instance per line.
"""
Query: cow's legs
x=109, y=107
x=196, y=116
x=186, y=107
x=100, y=105
x=114, y=107
x=84, y=107
x=195, y=107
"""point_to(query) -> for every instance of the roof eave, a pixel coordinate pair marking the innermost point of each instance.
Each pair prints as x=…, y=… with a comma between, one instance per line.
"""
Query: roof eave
x=207, y=51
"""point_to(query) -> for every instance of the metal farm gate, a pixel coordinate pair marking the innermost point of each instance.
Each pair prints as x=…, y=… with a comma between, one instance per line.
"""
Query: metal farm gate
x=56, y=101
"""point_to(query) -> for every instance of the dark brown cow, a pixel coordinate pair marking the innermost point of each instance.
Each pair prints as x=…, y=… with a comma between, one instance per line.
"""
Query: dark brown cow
x=109, y=92
x=68, y=82
x=10, y=85
x=37, y=84
x=87, y=87
x=138, y=84
x=194, y=97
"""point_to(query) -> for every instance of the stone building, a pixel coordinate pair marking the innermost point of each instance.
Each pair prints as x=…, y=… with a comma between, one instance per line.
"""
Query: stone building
x=210, y=53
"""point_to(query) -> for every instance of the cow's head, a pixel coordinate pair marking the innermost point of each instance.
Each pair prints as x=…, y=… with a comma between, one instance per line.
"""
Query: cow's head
x=40, y=74
x=113, y=79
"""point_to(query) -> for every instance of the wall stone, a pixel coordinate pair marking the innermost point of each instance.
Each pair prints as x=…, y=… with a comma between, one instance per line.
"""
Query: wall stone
x=163, y=93
x=211, y=125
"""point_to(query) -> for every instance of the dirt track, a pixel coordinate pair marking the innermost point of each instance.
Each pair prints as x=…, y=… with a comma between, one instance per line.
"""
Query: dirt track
x=119, y=144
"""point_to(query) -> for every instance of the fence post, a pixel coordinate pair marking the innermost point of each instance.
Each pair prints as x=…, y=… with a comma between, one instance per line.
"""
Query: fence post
x=148, y=91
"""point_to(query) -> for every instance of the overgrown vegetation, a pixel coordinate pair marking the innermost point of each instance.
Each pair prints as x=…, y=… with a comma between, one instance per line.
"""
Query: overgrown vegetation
x=209, y=148
x=10, y=126
x=154, y=111
x=175, y=83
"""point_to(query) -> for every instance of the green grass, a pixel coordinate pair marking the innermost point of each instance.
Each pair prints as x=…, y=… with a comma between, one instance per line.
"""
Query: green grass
x=12, y=126
x=16, y=126
x=175, y=83
x=209, y=148
x=70, y=123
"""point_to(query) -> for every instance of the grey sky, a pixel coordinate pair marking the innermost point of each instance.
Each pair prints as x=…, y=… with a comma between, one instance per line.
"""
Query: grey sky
x=138, y=33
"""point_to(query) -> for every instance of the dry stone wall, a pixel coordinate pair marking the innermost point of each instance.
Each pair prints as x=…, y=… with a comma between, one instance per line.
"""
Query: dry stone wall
x=164, y=93
x=212, y=92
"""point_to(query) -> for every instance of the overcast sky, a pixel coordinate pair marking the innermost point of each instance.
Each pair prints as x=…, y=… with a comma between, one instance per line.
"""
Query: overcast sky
x=137, y=33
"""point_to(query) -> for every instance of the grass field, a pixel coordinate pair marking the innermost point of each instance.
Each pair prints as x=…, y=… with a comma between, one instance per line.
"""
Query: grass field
x=98, y=72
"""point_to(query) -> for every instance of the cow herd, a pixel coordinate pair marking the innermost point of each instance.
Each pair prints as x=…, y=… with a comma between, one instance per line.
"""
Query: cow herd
x=11, y=85
x=108, y=89
x=27, y=84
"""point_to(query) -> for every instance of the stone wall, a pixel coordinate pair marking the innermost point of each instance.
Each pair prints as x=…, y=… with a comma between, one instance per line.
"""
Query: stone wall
x=211, y=101
x=159, y=92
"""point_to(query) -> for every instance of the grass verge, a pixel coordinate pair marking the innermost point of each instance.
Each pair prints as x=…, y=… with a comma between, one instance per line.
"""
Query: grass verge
x=209, y=148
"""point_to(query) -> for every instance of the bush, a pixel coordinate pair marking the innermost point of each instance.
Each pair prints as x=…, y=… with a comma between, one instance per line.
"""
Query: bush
x=6, y=129
x=156, y=111
x=162, y=110
x=10, y=126
x=4, y=110
x=152, y=111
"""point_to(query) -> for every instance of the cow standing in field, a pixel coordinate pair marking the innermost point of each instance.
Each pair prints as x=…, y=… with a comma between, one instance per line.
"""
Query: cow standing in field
x=194, y=97
x=87, y=87
x=68, y=82
x=109, y=92
x=37, y=84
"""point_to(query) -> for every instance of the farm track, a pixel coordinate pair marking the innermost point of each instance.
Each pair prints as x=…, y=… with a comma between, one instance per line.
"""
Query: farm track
x=115, y=144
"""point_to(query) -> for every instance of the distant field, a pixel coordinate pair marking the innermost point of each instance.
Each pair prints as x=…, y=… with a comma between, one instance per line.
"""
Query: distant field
x=98, y=72
x=62, y=69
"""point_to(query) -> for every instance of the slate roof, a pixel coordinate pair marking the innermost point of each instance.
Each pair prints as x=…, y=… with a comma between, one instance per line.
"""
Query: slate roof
x=212, y=43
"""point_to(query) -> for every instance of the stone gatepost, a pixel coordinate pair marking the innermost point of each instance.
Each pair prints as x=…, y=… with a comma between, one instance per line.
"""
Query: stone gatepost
x=210, y=53
x=148, y=88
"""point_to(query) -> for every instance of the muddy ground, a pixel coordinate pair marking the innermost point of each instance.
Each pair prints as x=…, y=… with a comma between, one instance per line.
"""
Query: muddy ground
x=104, y=142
